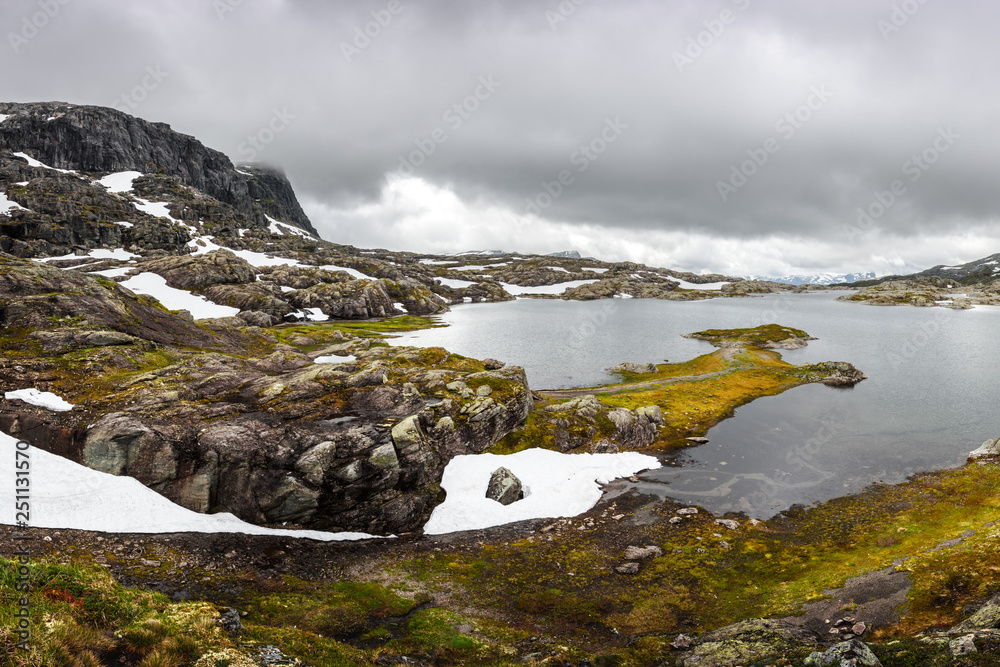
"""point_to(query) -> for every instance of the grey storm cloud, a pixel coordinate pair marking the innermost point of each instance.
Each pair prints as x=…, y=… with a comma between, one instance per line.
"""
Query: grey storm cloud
x=736, y=118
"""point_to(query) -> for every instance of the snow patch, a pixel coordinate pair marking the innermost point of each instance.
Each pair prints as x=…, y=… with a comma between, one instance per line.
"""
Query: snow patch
x=126, y=225
x=177, y=299
x=285, y=229
x=42, y=399
x=113, y=273
x=70, y=496
x=156, y=209
x=98, y=253
x=3, y=117
x=353, y=272
x=316, y=315
x=555, y=485
x=557, y=268
x=32, y=162
x=437, y=261
x=558, y=288
x=334, y=359
x=120, y=182
x=595, y=270
x=704, y=286
x=8, y=205
x=454, y=283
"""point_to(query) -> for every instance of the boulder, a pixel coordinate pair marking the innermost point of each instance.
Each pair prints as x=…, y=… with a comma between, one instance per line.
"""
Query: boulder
x=642, y=553
x=845, y=654
x=504, y=487
x=747, y=642
x=987, y=449
x=987, y=617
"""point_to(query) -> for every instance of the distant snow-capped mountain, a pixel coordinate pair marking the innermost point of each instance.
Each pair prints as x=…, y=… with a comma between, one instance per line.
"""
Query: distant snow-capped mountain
x=818, y=279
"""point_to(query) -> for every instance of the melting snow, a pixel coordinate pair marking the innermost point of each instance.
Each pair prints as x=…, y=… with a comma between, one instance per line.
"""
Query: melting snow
x=126, y=225
x=67, y=495
x=42, y=399
x=32, y=162
x=316, y=315
x=557, y=268
x=156, y=209
x=120, y=182
x=555, y=485
x=558, y=288
x=334, y=359
x=704, y=286
x=595, y=270
x=285, y=229
x=113, y=273
x=353, y=272
x=455, y=283
x=99, y=253
x=177, y=299
x=437, y=261
x=3, y=117
x=8, y=205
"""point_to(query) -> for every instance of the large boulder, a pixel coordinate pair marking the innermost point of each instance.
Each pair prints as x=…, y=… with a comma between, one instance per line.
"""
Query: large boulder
x=986, y=450
x=504, y=487
x=219, y=267
x=851, y=653
x=747, y=642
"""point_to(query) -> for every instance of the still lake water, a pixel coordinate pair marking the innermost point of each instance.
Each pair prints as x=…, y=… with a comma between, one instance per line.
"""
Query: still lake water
x=929, y=399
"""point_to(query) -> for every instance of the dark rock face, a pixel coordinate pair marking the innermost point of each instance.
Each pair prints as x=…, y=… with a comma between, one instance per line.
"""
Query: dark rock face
x=504, y=487
x=98, y=140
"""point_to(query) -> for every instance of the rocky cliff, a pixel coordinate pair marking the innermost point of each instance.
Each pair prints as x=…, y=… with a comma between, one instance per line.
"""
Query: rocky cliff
x=95, y=141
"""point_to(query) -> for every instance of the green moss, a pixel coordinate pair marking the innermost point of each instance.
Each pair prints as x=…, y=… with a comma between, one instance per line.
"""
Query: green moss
x=755, y=336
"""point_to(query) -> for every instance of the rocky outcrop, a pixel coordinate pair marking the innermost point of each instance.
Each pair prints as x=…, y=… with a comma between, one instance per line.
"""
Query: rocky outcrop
x=747, y=642
x=629, y=367
x=988, y=449
x=853, y=652
x=504, y=487
x=585, y=422
x=102, y=140
x=218, y=267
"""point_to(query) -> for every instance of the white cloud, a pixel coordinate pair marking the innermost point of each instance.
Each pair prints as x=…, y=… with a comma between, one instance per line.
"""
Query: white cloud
x=422, y=217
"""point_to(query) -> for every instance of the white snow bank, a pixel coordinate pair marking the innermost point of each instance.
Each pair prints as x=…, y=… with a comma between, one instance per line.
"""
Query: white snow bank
x=285, y=229
x=67, y=495
x=316, y=315
x=334, y=359
x=98, y=253
x=8, y=205
x=704, y=286
x=176, y=299
x=595, y=270
x=557, y=268
x=42, y=399
x=120, y=182
x=455, y=283
x=558, y=288
x=354, y=272
x=3, y=117
x=437, y=261
x=113, y=273
x=156, y=209
x=32, y=162
x=555, y=485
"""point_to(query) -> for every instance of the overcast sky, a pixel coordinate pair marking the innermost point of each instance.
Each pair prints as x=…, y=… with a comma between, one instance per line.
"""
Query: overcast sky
x=735, y=136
